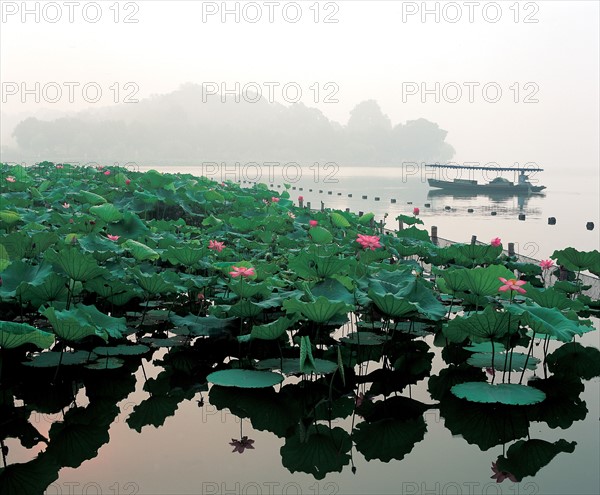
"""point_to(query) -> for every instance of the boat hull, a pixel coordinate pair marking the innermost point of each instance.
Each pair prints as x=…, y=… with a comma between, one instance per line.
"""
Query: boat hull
x=503, y=188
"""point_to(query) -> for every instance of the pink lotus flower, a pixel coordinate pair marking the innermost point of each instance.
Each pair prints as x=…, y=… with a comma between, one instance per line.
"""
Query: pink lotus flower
x=496, y=241
x=291, y=215
x=200, y=297
x=60, y=166
x=512, y=284
x=313, y=223
x=300, y=198
x=71, y=220
x=368, y=241
x=107, y=172
x=275, y=199
x=546, y=264
x=11, y=179
x=216, y=246
x=241, y=271
x=416, y=211
x=66, y=205
x=99, y=167
x=112, y=237
x=127, y=182
x=241, y=445
x=500, y=476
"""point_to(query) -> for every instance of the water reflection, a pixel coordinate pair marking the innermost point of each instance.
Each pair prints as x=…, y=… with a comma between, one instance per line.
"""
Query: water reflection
x=325, y=421
x=499, y=198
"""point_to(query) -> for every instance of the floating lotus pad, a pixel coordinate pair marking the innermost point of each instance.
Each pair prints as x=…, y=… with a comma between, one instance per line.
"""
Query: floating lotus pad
x=244, y=378
x=503, y=393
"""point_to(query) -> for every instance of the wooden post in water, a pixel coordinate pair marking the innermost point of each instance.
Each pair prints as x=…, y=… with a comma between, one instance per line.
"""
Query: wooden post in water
x=511, y=248
x=322, y=206
x=434, y=235
x=400, y=225
x=308, y=205
x=473, y=239
x=301, y=203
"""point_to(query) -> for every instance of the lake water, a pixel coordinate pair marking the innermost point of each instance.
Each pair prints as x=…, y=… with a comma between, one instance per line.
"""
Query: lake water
x=191, y=454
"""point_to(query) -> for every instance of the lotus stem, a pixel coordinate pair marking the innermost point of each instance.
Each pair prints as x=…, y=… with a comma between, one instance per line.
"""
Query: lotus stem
x=530, y=351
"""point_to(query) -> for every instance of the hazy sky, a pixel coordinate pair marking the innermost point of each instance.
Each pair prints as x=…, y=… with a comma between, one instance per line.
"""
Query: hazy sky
x=388, y=51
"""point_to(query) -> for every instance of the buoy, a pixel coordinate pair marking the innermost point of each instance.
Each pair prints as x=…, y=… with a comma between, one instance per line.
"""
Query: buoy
x=301, y=189
x=364, y=197
x=293, y=188
x=493, y=213
x=409, y=202
x=310, y=190
x=589, y=225
x=427, y=205
x=551, y=221
x=447, y=208
x=470, y=210
x=350, y=195
x=329, y=192
x=392, y=200
x=376, y=198
x=339, y=194
x=320, y=190
x=521, y=216
x=360, y=213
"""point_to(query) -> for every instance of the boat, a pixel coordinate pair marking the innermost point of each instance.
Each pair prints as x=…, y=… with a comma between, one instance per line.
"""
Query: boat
x=498, y=185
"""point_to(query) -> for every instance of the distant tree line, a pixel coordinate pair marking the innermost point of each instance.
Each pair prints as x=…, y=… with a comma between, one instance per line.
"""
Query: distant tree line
x=183, y=126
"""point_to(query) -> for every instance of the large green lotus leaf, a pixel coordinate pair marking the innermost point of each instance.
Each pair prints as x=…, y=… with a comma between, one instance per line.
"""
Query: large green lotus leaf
x=400, y=299
x=205, y=326
x=244, y=378
x=527, y=457
x=408, y=220
x=140, y=251
x=42, y=241
x=308, y=265
x=339, y=220
x=320, y=311
x=213, y=196
x=153, y=283
x=243, y=225
x=17, y=244
x=94, y=243
x=320, y=235
x=122, y=350
x=72, y=325
x=439, y=386
x=388, y=439
x=30, y=478
x=107, y=212
x=156, y=180
x=21, y=277
x=516, y=362
x=475, y=254
x=115, y=327
x=75, y=264
x=273, y=330
x=106, y=363
x=366, y=218
x=575, y=260
x=484, y=425
x=291, y=366
x=4, y=258
x=53, y=289
x=484, y=281
x=455, y=279
x=333, y=290
x=413, y=232
x=246, y=289
x=551, y=298
x=245, y=308
x=91, y=198
x=391, y=305
x=575, y=359
x=364, y=338
x=548, y=321
x=130, y=227
x=9, y=218
x=16, y=334
x=483, y=325
x=319, y=451
x=187, y=255
x=503, y=393
x=266, y=409
x=52, y=359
